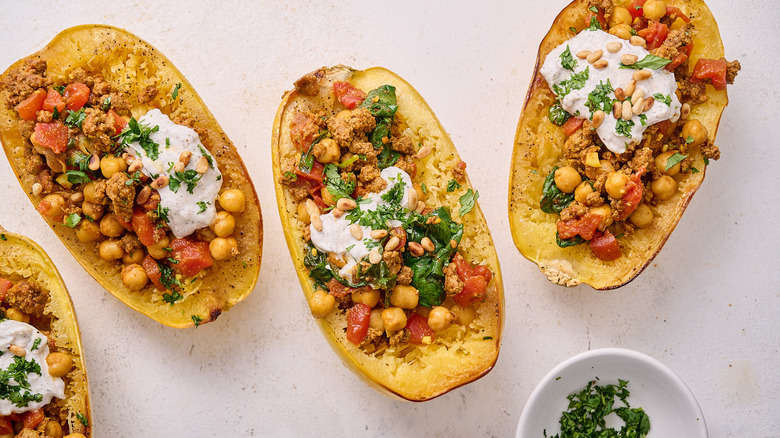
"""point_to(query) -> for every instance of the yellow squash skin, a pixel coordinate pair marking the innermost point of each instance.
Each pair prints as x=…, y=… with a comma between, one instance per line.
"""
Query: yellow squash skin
x=538, y=148
x=21, y=258
x=426, y=371
x=131, y=64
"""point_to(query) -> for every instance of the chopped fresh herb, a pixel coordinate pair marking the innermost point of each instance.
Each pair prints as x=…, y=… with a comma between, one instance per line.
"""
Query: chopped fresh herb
x=487, y=338
x=60, y=89
x=82, y=419
x=203, y=205
x=291, y=175
x=72, y=220
x=567, y=61
x=196, y=319
x=650, y=61
x=632, y=31
x=573, y=29
x=75, y=118
x=382, y=104
x=594, y=24
x=55, y=113
x=319, y=269
x=349, y=161
x=162, y=213
x=168, y=278
x=572, y=241
x=106, y=104
x=3, y=238
x=467, y=202
x=594, y=9
x=307, y=159
x=206, y=154
x=189, y=177
x=396, y=192
x=452, y=185
x=76, y=176
x=424, y=188
x=643, y=119
x=172, y=261
x=167, y=142
x=172, y=298
x=600, y=99
x=175, y=93
x=674, y=159
x=576, y=82
x=338, y=186
x=665, y=98
x=694, y=170
x=134, y=178
x=623, y=127
x=14, y=385
x=553, y=199
x=706, y=160
x=80, y=160
x=138, y=133
x=689, y=139
x=557, y=115
x=36, y=344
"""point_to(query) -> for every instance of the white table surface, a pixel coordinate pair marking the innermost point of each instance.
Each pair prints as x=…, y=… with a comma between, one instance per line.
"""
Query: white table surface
x=707, y=306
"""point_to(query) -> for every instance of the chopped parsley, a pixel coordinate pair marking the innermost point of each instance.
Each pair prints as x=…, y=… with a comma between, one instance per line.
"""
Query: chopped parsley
x=623, y=127
x=77, y=176
x=594, y=9
x=206, y=154
x=60, y=89
x=424, y=188
x=689, y=139
x=468, y=201
x=667, y=99
x=36, y=344
x=706, y=161
x=106, y=104
x=567, y=61
x=203, y=205
x=168, y=280
x=452, y=185
x=72, y=220
x=162, y=212
x=14, y=385
x=643, y=119
x=337, y=186
x=188, y=177
x=577, y=81
x=594, y=23
x=172, y=298
x=650, y=61
x=599, y=98
x=55, y=113
x=196, y=319
x=137, y=132
x=674, y=159
x=75, y=118
x=175, y=93
x=3, y=238
x=396, y=193
x=82, y=419
x=291, y=175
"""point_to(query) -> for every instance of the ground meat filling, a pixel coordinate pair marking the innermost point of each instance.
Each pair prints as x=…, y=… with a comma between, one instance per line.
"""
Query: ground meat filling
x=27, y=296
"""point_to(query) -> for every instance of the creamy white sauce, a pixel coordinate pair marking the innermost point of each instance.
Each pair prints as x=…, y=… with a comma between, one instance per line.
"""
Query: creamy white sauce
x=661, y=81
x=336, y=237
x=24, y=335
x=184, y=208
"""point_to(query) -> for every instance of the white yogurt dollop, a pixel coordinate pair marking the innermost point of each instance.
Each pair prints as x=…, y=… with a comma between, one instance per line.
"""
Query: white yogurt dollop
x=189, y=207
x=36, y=348
x=661, y=83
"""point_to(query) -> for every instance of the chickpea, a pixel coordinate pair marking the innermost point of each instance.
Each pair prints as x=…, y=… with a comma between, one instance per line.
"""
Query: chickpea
x=664, y=187
x=463, y=315
x=605, y=211
x=661, y=161
x=110, y=249
x=394, y=319
x=110, y=226
x=622, y=31
x=88, y=231
x=654, y=9
x=582, y=191
x=134, y=277
x=327, y=197
x=17, y=315
x=136, y=256
x=405, y=297
x=158, y=250
x=60, y=364
x=616, y=184
x=51, y=206
x=619, y=16
x=375, y=319
x=53, y=429
x=303, y=212
x=232, y=200
x=224, y=224
x=642, y=217
x=89, y=193
x=223, y=248
x=321, y=304
x=109, y=165
x=95, y=211
x=327, y=151
x=693, y=129
x=567, y=179
x=440, y=318
x=367, y=297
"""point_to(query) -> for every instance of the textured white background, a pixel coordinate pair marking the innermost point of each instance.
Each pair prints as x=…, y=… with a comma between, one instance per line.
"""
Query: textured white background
x=707, y=307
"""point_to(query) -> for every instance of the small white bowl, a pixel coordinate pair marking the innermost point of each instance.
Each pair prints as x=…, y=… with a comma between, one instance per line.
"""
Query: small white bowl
x=669, y=404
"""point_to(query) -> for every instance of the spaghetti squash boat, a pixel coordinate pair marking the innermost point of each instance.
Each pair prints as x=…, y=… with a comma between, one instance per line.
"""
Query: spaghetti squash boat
x=615, y=137
x=391, y=248
x=129, y=167
x=44, y=389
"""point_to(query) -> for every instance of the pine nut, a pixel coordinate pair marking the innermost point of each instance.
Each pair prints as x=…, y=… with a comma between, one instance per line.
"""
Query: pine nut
x=202, y=166
x=337, y=212
x=392, y=243
x=94, y=162
x=628, y=59
x=583, y=54
x=316, y=222
x=594, y=56
x=356, y=231
x=374, y=257
x=638, y=95
x=627, y=112
x=128, y=157
x=143, y=195
x=617, y=107
x=312, y=208
x=378, y=234
x=185, y=157
x=135, y=166
x=37, y=188
x=346, y=204
x=454, y=243
x=638, y=106
x=423, y=152
x=685, y=111
x=601, y=63
x=649, y=101
x=620, y=94
x=614, y=46
x=160, y=182
x=432, y=220
x=76, y=197
x=630, y=88
x=413, y=197
x=641, y=75
x=420, y=207
x=636, y=40
x=17, y=350
x=427, y=244
x=416, y=249
x=598, y=118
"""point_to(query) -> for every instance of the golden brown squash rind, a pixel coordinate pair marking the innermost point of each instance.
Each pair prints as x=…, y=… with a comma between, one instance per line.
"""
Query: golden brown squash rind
x=131, y=64
x=21, y=258
x=427, y=371
x=538, y=148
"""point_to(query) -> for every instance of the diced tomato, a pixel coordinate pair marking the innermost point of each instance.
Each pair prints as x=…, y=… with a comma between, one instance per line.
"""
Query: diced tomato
x=193, y=256
x=473, y=290
x=303, y=131
x=76, y=95
x=712, y=69
x=31, y=419
x=635, y=190
x=635, y=8
x=418, y=329
x=48, y=210
x=317, y=172
x=599, y=17
x=153, y=271
x=357, y=323
x=126, y=225
x=676, y=61
x=584, y=226
x=605, y=246
x=675, y=13
x=572, y=125
x=53, y=135
x=6, y=428
x=313, y=181
x=339, y=290
x=655, y=34
x=5, y=284
x=119, y=122
x=145, y=229
x=466, y=270
x=54, y=100
x=349, y=95
x=28, y=108
x=639, y=23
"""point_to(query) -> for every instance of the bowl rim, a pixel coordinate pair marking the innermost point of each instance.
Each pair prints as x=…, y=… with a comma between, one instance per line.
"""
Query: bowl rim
x=631, y=355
